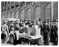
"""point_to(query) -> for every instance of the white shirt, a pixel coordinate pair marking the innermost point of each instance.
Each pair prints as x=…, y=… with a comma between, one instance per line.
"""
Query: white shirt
x=17, y=34
x=38, y=35
x=12, y=32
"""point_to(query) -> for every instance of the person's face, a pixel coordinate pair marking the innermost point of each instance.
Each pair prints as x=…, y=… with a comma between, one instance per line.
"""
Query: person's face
x=13, y=28
x=46, y=23
x=17, y=24
x=38, y=22
x=34, y=23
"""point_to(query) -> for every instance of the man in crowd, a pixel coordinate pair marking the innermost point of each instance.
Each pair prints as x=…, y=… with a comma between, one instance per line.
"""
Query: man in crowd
x=5, y=32
x=37, y=37
x=45, y=33
x=54, y=35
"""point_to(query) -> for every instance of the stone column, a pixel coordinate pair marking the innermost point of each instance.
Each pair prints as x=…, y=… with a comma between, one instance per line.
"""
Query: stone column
x=19, y=14
x=51, y=10
x=33, y=13
x=25, y=12
x=42, y=16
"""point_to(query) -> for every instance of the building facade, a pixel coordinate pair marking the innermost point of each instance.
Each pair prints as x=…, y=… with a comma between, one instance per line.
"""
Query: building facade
x=26, y=10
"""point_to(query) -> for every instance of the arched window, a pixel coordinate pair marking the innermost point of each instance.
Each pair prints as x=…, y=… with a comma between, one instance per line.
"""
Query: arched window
x=5, y=15
x=17, y=14
x=37, y=12
x=29, y=14
x=9, y=15
x=47, y=12
x=2, y=15
x=12, y=14
x=22, y=15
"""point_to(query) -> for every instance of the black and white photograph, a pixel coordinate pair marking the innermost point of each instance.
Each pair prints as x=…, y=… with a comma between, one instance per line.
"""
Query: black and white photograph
x=29, y=23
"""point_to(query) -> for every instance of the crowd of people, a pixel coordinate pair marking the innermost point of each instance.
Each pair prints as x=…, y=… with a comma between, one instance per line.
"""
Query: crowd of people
x=28, y=32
